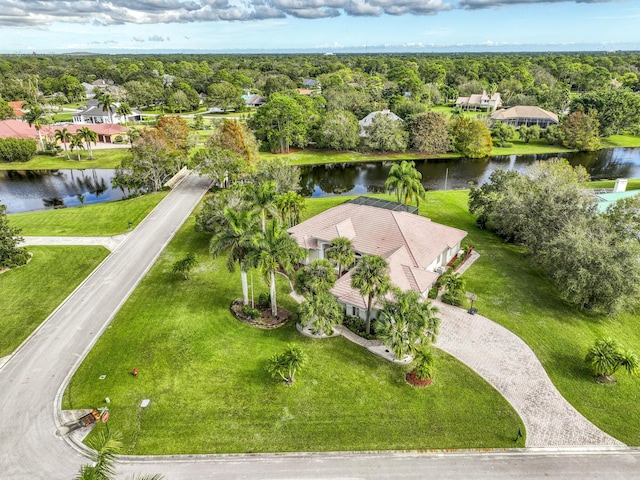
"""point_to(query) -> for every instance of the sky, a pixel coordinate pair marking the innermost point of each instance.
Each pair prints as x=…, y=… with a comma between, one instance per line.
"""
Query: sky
x=327, y=26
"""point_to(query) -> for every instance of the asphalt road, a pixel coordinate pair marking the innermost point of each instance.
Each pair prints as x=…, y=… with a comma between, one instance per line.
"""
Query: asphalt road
x=31, y=381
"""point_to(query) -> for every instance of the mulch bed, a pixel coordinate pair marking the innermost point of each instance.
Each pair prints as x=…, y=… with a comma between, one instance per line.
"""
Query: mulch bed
x=415, y=381
x=266, y=320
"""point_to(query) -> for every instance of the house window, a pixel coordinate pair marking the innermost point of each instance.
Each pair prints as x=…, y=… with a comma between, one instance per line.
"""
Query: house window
x=355, y=311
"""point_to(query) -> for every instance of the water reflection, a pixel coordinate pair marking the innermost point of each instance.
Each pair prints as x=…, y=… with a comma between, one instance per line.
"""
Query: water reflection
x=438, y=174
x=28, y=190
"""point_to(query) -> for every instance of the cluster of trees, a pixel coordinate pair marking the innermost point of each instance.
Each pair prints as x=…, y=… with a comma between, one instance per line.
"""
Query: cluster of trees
x=157, y=154
x=594, y=259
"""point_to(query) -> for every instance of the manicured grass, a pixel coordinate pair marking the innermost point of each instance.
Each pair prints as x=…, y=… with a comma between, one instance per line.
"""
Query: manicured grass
x=531, y=148
x=621, y=141
x=101, y=219
x=633, y=184
x=63, y=117
x=32, y=292
x=205, y=373
x=314, y=157
x=104, y=158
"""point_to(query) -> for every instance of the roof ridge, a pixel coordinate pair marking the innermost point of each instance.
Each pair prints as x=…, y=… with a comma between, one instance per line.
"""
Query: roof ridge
x=404, y=239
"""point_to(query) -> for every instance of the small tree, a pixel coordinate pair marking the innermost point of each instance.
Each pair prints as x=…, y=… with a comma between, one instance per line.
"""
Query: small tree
x=529, y=133
x=472, y=138
x=285, y=365
x=423, y=363
x=185, y=265
x=581, y=131
x=455, y=289
x=320, y=313
x=502, y=133
x=317, y=277
x=606, y=356
x=10, y=254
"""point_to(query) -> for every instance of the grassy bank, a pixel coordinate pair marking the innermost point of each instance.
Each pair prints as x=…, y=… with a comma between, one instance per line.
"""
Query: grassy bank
x=105, y=158
x=32, y=292
x=205, y=374
x=103, y=219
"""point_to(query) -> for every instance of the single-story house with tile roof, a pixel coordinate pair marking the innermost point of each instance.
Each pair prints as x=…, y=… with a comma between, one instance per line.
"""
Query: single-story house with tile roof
x=480, y=101
x=525, y=115
x=17, y=129
x=18, y=112
x=96, y=113
x=366, y=121
x=254, y=100
x=416, y=249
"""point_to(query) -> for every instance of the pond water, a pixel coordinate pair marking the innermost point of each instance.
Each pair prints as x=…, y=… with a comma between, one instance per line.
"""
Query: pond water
x=28, y=190
x=369, y=177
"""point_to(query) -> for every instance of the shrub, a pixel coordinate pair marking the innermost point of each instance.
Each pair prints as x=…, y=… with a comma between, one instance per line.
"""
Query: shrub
x=17, y=149
x=433, y=293
x=453, y=298
x=250, y=312
x=264, y=299
x=358, y=326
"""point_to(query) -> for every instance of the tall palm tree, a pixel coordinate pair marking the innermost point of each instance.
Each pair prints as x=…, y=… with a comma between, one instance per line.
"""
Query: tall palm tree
x=371, y=279
x=341, y=253
x=75, y=143
x=274, y=249
x=89, y=136
x=406, y=181
x=34, y=117
x=319, y=276
x=263, y=196
x=63, y=136
x=236, y=237
x=124, y=110
x=406, y=323
x=107, y=102
x=290, y=206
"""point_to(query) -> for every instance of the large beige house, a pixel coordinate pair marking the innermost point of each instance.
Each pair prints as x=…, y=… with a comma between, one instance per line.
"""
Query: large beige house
x=480, y=101
x=416, y=249
x=526, y=115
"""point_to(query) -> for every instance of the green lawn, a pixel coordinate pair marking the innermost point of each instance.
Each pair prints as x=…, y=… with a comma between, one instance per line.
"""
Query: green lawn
x=106, y=158
x=205, y=374
x=103, y=219
x=633, y=184
x=32, y=292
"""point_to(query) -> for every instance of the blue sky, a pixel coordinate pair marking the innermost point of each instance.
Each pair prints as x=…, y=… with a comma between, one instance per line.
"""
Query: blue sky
x=324, y=25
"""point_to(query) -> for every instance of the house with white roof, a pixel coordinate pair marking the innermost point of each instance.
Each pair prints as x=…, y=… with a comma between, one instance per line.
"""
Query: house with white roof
x=368, y=120
x=480, y=101
x=416, y=249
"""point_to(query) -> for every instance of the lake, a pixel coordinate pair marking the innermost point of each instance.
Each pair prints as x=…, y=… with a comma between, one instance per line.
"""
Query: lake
x=369, y=177
x=29, y=190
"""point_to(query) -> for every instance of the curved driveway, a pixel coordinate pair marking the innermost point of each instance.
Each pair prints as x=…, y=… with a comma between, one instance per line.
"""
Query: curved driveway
x=31, y=381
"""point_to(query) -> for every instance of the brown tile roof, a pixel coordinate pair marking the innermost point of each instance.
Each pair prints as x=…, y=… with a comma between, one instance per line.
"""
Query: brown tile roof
x=524, y=111
x=17, y=108
x=16, y=129
x=409, y=242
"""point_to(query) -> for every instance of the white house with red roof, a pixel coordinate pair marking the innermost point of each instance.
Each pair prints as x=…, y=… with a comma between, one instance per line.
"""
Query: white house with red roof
x=416, y=249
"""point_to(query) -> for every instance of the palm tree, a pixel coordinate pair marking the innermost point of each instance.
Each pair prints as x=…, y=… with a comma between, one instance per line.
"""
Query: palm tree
x=320, y=312
x=341, y=253
x=185, y=265
x=89, y=136
x=423, y=363
x=607, y=355
x=75, y=143
x=274, y=249
x=371, y=279
x=263, y=196
x=290, y=206
x=124, y=110
x=34, y=117
x=106, y=102
x=406, y=323
x=105, y=447
x=63, y=136
x=319, y=276
x=406, y=182
x=236, y=237
x=286, y=364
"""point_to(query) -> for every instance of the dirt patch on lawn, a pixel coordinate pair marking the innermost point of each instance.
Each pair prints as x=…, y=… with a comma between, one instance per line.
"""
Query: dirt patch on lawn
x=414, y=381
x=266, y=320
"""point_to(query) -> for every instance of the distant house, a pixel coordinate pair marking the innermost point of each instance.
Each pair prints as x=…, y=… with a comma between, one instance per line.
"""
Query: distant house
x=304, y=91
x=310, y=83
x=480, y=101
x=254, y=100
x=525, y=115
x=18, y=112
x=17, y=129
x=107, y=133
x=416, y=249
x=96, y=113
x=366, y=121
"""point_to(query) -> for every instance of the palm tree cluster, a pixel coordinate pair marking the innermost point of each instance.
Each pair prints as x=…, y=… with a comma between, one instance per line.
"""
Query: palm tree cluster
x=285, y=365
x=320, y=311
x=606, y=356
x=84, y=136
x=250, y=229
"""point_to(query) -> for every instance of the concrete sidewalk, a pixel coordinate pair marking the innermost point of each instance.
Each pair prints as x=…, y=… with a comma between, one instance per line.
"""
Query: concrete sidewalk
x=111, y=243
